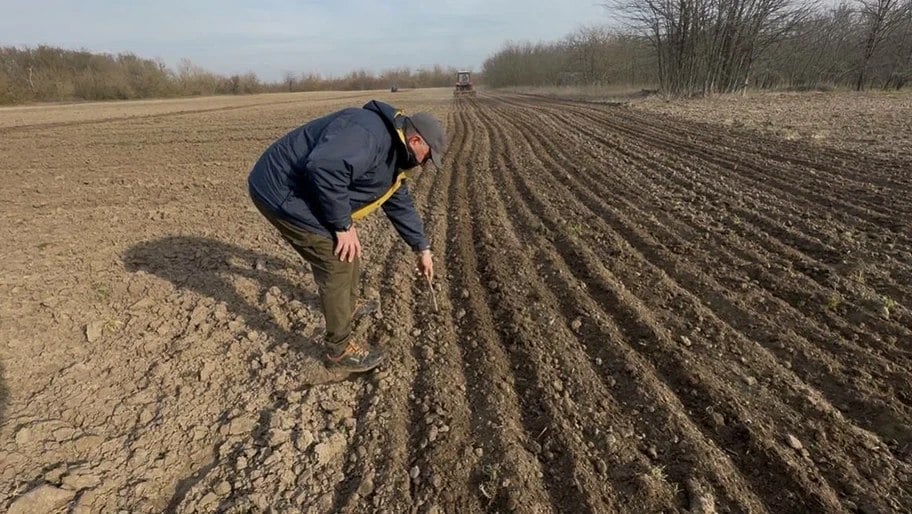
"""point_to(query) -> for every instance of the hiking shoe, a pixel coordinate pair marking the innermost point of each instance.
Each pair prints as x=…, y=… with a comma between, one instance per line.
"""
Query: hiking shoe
x=363, y=318
x=356, y=358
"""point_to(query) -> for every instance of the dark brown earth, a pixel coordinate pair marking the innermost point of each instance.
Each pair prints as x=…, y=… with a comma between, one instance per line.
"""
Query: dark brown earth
x=638, y=313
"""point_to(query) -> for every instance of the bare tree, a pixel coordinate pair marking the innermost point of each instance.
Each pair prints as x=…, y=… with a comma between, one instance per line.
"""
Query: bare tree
x=880, y=17
x=707, y=46
x=288, y=78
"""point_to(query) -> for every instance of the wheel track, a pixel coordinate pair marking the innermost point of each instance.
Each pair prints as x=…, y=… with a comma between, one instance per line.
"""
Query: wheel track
x=589, y=258
x=835, y=383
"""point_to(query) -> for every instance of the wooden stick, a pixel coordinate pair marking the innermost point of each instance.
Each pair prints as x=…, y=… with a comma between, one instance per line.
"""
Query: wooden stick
x=433, y=294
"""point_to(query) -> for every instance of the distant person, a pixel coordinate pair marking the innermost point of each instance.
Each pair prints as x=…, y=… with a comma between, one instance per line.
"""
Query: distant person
x=317, y=181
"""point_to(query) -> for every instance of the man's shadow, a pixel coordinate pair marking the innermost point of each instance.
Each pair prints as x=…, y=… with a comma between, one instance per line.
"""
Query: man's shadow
x=207, y=266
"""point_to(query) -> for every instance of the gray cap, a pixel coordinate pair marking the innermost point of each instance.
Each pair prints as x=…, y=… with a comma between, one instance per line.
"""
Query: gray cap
x=432, y=133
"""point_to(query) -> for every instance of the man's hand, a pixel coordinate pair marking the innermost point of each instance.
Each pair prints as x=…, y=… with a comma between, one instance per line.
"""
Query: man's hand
x=348, y=248
x=426, y=264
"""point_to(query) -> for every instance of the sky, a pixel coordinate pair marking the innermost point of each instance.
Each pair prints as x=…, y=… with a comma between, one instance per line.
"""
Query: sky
x=272, y=37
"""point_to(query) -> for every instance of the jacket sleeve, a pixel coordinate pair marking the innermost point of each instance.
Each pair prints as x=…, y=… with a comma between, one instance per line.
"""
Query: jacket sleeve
x=341, y=156
x=400, y=209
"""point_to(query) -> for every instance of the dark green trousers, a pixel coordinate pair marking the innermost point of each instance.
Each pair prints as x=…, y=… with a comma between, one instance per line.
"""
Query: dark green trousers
x=337, y=280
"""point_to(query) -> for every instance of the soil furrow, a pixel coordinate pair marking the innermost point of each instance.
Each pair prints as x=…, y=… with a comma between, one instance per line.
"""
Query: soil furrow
x=750, y=195
x=839, y=468
x=440, y=431
x=859, y=308
x=754, y=190
x=638, y=313
x=657, y=414
x=825, y=372
x=825, y=241
x=496, y=412
x=694, y=384
x=551, y=415
x=849, y=169
x=844, y=167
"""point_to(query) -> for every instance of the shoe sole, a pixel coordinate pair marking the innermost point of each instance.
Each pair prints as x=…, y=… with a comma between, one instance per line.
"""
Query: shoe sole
x=352, y=369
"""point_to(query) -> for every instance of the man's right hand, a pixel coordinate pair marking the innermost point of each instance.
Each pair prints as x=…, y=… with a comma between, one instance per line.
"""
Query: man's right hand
x=348, y=248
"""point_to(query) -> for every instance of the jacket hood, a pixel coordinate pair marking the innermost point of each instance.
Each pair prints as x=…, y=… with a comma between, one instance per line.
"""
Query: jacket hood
x=392, y=118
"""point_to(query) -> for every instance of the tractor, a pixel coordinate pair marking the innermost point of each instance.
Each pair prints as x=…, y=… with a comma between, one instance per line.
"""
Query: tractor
x=464, y=85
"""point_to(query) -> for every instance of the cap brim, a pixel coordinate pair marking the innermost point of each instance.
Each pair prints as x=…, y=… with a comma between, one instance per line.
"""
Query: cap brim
x=436, y=161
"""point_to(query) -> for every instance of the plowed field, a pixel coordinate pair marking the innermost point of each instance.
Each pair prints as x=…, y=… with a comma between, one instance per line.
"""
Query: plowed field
x=638, y=313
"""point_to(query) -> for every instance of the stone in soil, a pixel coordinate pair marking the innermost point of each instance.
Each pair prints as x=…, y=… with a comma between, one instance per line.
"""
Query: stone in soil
x=81, y=481
x=576, y=324
x=94, y=330
x=223, y=488
x=701, y=500
x=241, y=425
x=330, y=449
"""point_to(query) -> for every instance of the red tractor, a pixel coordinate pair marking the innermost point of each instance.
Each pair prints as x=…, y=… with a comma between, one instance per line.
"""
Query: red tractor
x=464, y=85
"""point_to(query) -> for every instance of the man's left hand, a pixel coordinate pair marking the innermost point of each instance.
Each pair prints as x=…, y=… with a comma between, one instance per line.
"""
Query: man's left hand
x=426, y=264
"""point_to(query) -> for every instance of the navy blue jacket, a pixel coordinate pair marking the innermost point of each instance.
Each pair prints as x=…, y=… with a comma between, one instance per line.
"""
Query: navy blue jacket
x=318, y=174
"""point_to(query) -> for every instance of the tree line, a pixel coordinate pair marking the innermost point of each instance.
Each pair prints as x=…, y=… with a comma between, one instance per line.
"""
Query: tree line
x=684, y=47
x=693, y=47
x=360, y=80
x=47, y=74
x=589, y=56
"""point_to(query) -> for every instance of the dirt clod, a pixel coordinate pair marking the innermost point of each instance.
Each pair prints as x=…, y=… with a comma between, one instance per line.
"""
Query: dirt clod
x=43, y=499
x=94, y=330
x=701, y=500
